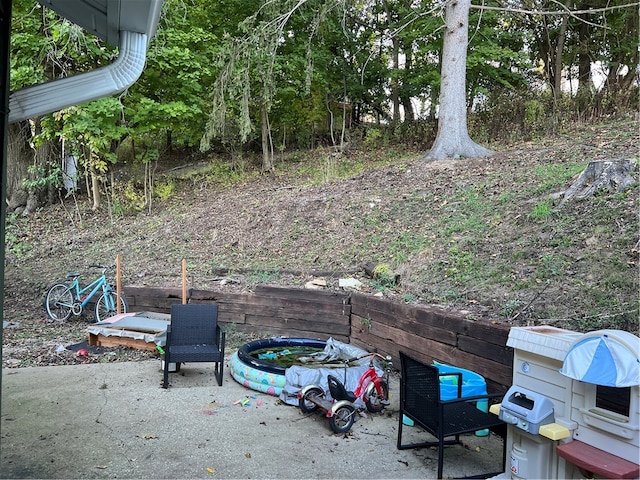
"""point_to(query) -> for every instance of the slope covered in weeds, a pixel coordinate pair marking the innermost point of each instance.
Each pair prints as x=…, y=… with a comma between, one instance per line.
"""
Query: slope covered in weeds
x=483, y=237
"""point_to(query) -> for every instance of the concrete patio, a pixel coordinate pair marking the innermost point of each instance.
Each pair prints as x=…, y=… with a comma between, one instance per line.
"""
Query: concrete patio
x=112, y=420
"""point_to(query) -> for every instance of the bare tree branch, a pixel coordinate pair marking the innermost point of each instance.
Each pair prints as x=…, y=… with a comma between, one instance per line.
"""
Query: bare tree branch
x=563, y=10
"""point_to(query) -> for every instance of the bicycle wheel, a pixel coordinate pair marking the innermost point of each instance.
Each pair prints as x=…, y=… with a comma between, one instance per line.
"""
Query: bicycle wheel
x=106, y=305
x=342, y=419
x=376, y=402
x=59, y=302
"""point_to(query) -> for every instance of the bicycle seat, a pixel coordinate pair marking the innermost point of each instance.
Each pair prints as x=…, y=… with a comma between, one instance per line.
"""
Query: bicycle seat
x=337, y=390
x=72, y=275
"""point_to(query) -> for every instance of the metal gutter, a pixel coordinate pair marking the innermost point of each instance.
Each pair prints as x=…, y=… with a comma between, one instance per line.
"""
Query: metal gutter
x=58, y=94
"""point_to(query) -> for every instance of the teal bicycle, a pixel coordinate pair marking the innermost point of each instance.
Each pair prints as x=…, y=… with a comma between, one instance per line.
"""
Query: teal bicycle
x=66, y=298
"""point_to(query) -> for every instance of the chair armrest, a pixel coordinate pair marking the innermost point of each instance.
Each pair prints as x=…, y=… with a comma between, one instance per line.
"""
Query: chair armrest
x=220, y=332
x=474, y=398
x=221, y=337
x=168, y=336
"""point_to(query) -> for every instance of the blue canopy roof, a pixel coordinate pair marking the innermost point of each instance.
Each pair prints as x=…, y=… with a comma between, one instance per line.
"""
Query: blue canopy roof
x=604, y=357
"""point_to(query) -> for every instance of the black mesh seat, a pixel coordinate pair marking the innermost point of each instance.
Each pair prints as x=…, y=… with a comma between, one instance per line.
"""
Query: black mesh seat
x=444, y=419
x=194, y=335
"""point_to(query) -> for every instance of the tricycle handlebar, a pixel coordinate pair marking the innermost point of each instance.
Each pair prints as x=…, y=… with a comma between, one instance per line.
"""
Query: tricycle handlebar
x=370, y=354
x=375, y=354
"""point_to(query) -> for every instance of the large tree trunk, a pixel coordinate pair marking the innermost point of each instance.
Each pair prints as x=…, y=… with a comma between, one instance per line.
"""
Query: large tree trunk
x=395, y=95
x=19, y=157
x=452, y=139
x=584, y=53
x=267, y=157
x=395, y=62
x=45, y=152
x=562, y=35
x=405, y=97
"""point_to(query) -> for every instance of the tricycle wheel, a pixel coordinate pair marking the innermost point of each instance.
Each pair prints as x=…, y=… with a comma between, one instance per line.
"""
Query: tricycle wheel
x=306, y=405
x=376, y=401
x=342, y=419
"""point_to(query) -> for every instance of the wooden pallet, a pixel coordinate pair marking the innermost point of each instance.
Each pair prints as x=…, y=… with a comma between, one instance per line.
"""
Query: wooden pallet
x=99, y=340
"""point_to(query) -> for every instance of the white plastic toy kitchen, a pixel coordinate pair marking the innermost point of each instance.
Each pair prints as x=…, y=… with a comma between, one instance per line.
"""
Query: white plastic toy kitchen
x=573, y=410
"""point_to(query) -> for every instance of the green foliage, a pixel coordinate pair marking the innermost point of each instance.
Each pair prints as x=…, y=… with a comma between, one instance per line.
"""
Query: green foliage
x=511, y=307
x=551, y=177
x=373, y=137
x=534, y=115
x=383, y=277
x=513, y=114
x=469, y=210
x=493, y=35
x=552, y=265
x=261, y=277
x=40, y=178
x=213, y=68
x=462, y=265
x=225, y=174
x=541, y=211
x=15, y=245
x=40, y=36
x=329, y=168
x=127, y=199
x=91, y=129
x=165, y=189
x=409, y=298
x=171, y=94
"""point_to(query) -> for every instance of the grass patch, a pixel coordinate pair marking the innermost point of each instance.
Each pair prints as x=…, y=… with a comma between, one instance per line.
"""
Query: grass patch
x=542, y=211
x=552, y=177
x=261, y=277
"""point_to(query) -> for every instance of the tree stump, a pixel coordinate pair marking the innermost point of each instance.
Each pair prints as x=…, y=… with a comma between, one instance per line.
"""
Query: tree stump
x=611, y=175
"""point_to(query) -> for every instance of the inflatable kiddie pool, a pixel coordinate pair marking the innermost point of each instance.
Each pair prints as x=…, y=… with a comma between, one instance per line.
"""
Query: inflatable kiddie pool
x=256, y=364
x=264, y=375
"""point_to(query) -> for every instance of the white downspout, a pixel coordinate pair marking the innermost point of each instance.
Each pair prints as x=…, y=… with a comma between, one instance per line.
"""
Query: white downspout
x=58, y=94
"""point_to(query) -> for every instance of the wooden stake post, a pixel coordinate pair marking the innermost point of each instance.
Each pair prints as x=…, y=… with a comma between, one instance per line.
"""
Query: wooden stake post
x=118, y=286
x=184, y=280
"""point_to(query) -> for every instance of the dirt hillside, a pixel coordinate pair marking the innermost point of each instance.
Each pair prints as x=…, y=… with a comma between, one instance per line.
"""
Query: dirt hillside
x=484, y=237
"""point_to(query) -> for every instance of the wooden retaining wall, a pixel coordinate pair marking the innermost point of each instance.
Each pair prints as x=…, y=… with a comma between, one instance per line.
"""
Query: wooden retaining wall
x=373, y=323
x=274, y=311
x=430, y=334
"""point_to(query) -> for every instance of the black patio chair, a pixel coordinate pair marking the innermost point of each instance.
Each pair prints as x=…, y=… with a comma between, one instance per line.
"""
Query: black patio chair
x=194, y=335
x=444, y=419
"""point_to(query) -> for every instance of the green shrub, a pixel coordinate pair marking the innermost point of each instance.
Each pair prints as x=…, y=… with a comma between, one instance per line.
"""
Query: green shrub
x=373, y=137
x=535, y=115
x=127, y=199
x=164, y=190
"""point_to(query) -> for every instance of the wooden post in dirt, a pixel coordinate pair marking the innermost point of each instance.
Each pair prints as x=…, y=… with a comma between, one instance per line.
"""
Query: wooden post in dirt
x=184, y=280
x=118, y=286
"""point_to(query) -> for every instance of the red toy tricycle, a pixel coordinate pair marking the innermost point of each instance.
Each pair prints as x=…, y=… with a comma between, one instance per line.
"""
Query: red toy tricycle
x=372, y=389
